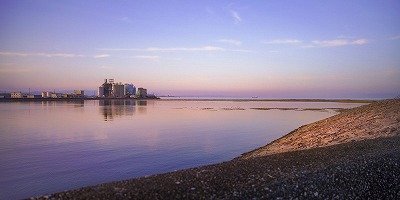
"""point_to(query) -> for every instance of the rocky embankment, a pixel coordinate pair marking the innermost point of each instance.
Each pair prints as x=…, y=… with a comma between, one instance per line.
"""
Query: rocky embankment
x=378, y=119
x=361, y=167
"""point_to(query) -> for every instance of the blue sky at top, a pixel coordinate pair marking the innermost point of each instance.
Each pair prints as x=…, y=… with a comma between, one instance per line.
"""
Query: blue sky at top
x=273, y=49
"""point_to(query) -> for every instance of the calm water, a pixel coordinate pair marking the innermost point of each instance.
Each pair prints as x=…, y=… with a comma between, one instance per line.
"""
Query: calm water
x=47, y=147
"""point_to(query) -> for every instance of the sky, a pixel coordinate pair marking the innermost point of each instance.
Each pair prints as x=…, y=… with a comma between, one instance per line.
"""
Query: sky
x=264, y=48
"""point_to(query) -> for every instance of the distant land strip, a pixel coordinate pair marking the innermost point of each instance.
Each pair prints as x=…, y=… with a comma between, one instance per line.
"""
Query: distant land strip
x=183, y=99
x=69, y=99
x=279, y=100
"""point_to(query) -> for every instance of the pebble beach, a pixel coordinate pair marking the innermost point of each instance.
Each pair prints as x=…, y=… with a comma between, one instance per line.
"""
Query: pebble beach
x=352, y=155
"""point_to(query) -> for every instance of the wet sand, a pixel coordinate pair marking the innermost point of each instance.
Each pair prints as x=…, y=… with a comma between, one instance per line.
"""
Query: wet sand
x=362, y=161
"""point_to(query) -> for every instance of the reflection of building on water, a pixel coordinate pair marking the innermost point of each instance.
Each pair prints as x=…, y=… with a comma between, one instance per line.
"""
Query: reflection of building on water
x=141, y=106
x=141, y=103
x=119, y=108
x=76, y=103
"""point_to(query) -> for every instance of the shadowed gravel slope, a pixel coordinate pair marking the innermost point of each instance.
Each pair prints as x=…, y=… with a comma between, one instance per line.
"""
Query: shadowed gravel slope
x=378, y=119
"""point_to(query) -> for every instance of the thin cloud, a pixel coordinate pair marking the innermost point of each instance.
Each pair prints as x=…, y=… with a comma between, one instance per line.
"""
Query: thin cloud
x=61, y=55
x=153, y=49
x=2, y=53
x=175, y=49
x=14, y=69
x=236, y=17
x=334, y=43
x=101, y=56
x=240, y=50
x=360, y=42
x=231, y=42
x=205, y=48
x=147, y=57
x=273, y=51
x=64, y=55
x=120, y=49
x=330, y=43
x=287, y=41
x=308, y=46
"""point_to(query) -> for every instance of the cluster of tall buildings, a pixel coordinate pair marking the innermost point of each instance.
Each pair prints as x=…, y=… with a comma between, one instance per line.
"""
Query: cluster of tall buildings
x=109, y=89
x=118, y=90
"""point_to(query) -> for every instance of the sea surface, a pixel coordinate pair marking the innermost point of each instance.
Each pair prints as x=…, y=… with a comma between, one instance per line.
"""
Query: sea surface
x=52, y=146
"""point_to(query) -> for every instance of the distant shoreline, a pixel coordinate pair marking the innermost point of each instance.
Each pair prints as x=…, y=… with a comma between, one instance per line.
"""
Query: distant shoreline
x=187, y=99
x=69, y=99
x=278, y=100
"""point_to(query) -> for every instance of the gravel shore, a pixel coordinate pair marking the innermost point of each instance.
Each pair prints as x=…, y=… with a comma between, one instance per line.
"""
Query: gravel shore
x=359, y=167
x=378, y=119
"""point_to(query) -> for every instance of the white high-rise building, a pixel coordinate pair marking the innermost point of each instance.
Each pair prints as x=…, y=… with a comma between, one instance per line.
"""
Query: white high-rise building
x=100, y=91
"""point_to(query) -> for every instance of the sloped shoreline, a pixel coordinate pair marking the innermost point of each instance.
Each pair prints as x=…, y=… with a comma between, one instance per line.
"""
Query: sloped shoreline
x=378, y=119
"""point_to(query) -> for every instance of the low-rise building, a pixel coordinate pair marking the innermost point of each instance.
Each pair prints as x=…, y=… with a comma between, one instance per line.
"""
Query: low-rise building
x=79, y=93
x=16, y=95
x=56, y=95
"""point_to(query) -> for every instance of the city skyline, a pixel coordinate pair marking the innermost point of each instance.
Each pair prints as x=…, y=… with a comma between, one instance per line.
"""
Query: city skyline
x=269, y=49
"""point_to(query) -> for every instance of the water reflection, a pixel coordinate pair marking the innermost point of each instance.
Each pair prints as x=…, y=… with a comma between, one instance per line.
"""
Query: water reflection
x=142, y=109
x=67, y=144
x=142, y=103
x=76, y=103
x=118, y=108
